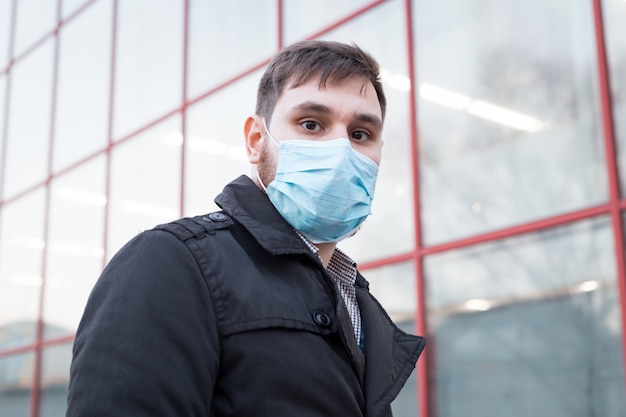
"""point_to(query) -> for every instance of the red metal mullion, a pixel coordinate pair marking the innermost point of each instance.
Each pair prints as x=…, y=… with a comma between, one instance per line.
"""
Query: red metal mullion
x=280, y=23
x=36, y=383
x=183, y=121
x=4, y=138
x=59, y=340
x=107, y=177
x=534, y=226
x=423, y=390
x=611, y=158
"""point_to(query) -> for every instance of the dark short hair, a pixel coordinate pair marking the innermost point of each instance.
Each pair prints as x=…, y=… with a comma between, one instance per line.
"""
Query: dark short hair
x=301, y=61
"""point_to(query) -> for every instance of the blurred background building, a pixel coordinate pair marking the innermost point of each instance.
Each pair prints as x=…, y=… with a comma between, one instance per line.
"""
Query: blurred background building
x=498, y=225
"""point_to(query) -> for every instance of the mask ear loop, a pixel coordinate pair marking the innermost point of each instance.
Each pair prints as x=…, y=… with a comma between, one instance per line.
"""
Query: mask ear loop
x=269, y=134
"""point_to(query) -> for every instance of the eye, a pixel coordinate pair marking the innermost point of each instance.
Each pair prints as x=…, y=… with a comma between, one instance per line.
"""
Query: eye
x=360, y=136
x=311, y=125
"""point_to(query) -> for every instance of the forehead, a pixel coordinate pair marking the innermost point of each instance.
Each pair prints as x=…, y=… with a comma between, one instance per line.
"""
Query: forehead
x=355, y=94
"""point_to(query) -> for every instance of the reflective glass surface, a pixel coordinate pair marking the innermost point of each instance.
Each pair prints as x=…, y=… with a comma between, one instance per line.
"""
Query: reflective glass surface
x=75, y=254
x=148, y=74
x=71, y=6
x=54, y=380
x=3, y=83
x=5, y=33
x=394, y=287
x=615, y=37
x=527, y=326
x=211, y=63
x=21, y=256
x=29, y=120
x=304, y=18
x=82, y=103
x=509, y=121
x=15, y=384
x=145, y=183
x=216, y=150
x=35, y=19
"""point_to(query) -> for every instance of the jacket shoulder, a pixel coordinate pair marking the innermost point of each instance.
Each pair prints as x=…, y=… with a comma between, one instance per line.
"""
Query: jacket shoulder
x=198, y=226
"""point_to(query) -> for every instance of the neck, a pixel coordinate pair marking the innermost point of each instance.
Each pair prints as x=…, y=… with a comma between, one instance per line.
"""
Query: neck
x=326, y=251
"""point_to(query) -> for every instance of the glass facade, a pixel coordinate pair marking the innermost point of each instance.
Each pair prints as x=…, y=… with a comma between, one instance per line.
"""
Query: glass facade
x=498, y=224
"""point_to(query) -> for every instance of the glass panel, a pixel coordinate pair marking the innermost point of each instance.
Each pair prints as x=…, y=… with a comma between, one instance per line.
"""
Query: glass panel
x=16, y=374
x=83, y=85
x=55, y=380
x=614, y=18
x=508, y=113
x=70, y=6
x=528, y=326
x=148, y=79
x=211, y=63
x=29, y=121
x=145, y=183
x=21, y=255
x=3, y=80
x=216, y=151
x=75, y=238
x=30, y=26
x=303, y=18
x=5, y=33
x=391, y=225
x=394, y=287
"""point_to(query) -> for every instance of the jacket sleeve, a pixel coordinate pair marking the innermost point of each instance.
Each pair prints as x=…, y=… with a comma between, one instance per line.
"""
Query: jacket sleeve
x=148, y=343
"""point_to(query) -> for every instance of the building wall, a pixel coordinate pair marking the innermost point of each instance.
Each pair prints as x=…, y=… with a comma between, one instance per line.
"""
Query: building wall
x=497, y=228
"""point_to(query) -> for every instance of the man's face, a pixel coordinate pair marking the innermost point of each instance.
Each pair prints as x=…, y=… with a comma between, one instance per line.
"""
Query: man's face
x=347, y=109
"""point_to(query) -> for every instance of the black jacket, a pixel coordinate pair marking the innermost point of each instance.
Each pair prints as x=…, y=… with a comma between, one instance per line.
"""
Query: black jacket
x=230, y=314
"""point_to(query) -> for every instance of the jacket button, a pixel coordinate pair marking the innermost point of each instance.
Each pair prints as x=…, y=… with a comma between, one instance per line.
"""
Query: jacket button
x=217, y=217
x=321, y=319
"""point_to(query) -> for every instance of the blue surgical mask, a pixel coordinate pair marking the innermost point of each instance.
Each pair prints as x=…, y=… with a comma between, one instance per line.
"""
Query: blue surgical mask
x=323, y=189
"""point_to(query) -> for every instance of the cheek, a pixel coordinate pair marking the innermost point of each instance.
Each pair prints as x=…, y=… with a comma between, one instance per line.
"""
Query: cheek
x=268, y=160
x=373, y=153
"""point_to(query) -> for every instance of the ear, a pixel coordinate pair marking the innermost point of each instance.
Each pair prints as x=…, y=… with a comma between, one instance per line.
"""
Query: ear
x=254, y=132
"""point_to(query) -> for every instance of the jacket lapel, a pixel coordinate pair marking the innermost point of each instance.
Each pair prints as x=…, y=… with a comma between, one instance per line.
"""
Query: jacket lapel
x=390, y=356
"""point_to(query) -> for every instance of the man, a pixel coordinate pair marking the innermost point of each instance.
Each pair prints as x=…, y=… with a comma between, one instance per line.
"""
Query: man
x=253, y=311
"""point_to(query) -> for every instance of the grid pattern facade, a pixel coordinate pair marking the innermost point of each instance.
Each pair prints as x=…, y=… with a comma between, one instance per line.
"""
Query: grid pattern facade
x=498, y=224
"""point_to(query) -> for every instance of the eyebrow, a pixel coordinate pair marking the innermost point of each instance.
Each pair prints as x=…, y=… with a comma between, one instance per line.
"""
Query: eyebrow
x=322, y=108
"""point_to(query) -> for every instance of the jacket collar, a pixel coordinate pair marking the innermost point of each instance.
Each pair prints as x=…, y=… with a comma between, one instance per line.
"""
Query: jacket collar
x=250, y=207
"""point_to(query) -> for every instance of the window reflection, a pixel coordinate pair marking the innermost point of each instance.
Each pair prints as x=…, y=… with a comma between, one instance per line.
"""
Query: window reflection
x=15, y=381
x=31, y=26
x=21, y=256
x=508, y=114
x=29, y=121
x=319, y=14
x=5, y=27
x=82, y=103
x=145, y=183
x=510, y=321
x=216, y=152
x=211, y=63
x=75, y=254
x=148, y=75
x=614, y=18
x=54, y=380
x=394, y=287
x=71, y=6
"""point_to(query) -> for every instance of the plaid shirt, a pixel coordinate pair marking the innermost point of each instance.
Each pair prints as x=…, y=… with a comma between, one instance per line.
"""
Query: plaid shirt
x=343, y=270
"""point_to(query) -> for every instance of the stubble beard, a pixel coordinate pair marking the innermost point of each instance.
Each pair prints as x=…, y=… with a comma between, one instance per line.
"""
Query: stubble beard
x=267, y=164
